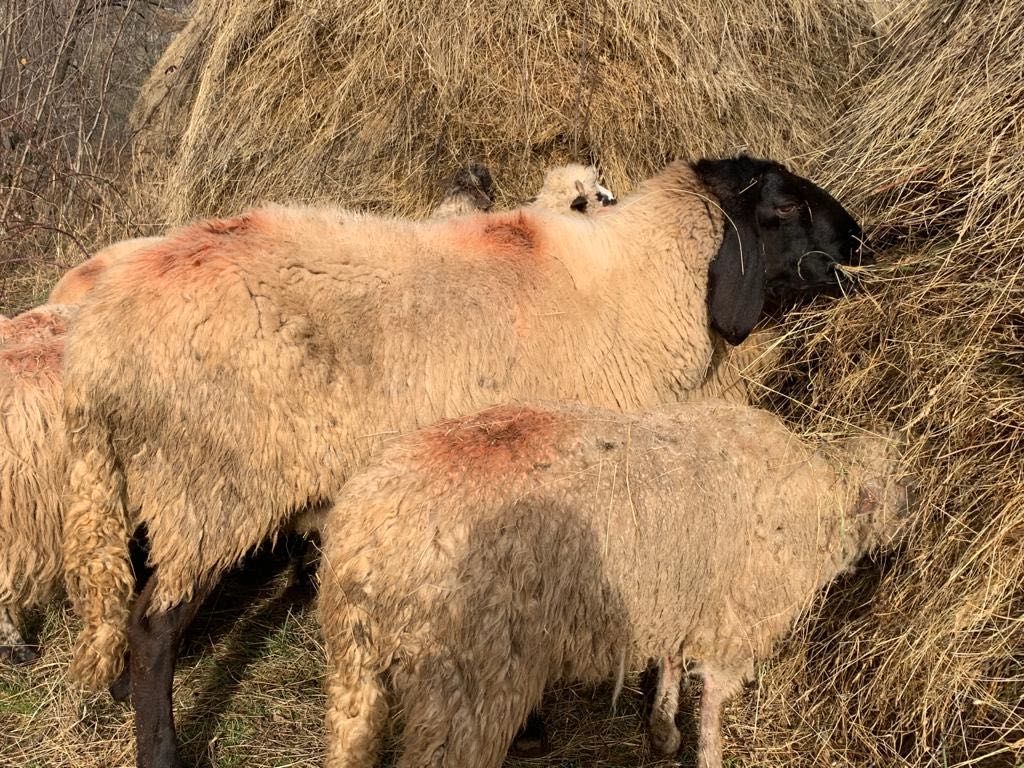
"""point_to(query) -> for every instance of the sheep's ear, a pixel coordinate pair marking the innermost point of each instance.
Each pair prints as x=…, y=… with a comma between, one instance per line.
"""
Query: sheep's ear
x=736, y=282
x=736, y=276
x=579, y=203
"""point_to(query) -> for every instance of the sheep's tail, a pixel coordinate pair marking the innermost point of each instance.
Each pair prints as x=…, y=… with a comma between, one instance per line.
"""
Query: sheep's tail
x=97, y=564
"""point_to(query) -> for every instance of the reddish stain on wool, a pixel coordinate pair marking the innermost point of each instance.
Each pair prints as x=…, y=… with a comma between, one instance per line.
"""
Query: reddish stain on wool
x=499, y=441
x=33, y=358
x=32, y=325
x=513, y=237
x=212, y=243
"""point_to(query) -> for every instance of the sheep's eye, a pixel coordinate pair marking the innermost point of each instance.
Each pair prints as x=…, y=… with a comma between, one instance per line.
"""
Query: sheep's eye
x=786, y=209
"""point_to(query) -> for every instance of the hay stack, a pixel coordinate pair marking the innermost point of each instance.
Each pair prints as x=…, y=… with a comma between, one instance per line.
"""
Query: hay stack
x=931, y=670
x=375, y=103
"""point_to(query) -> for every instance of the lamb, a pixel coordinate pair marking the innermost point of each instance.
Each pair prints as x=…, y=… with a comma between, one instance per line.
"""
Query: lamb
x=479, y=559
x=575, y=184
x=295, y=338
x=32, y=469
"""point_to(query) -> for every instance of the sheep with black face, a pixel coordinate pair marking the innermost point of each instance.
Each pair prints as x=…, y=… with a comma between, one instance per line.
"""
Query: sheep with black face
x=296, y=337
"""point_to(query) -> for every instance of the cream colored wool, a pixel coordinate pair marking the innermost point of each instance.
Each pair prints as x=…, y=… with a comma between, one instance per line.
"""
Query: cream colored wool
x=312, y=333
x=557, y=194
x=563, y=184
x=478, y=560
x=32, y=463
x=78, y=281
x=732, y=369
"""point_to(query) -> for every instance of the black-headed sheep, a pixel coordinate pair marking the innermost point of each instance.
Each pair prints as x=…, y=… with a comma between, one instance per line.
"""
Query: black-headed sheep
x=242, y=368
x=480, y=559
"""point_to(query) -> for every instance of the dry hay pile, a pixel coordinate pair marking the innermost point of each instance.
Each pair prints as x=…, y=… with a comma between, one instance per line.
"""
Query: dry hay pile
x=924, y=664
x=375, y=103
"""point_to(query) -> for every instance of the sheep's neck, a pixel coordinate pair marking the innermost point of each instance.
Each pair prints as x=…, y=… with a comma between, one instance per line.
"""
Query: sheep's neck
x=652, y=260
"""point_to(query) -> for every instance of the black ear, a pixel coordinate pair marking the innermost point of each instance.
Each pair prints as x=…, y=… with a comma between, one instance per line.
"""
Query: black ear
x=736, y=277
x=736, y=282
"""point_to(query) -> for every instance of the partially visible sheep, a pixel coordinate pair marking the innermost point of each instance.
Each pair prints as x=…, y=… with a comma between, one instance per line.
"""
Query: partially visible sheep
x=480, y=559
x=78, y=281
x=32, y=470
x=45, y=322
x=571, y=187
x=242, y=369
x=576, y=186
x=471, y=190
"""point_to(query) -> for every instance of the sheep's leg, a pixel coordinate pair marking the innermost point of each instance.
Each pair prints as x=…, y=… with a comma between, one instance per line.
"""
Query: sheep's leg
x=357, y=711
x=138, y=550
x=12, y=644
x=154, y=642
x=446, y=726
x=719, y=686
x=665, y=736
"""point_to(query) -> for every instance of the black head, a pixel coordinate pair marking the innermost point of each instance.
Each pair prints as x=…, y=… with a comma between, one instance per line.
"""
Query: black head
x=784, y=239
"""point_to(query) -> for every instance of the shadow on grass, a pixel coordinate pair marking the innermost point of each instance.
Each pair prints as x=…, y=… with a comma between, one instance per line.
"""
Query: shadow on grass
x=237, y=626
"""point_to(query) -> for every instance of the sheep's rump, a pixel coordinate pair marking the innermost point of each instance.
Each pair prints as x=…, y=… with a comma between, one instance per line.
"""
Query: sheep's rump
x=78, y=281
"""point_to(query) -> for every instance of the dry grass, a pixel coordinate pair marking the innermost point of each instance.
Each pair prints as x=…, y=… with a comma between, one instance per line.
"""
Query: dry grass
x=69, y=73
x=917, y=661
x=375, y=103
x=922, y=664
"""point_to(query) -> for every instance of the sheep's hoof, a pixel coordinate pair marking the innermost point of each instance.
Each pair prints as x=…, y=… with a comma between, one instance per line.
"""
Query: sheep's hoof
x=19, y=654
x=532, y=739
x=665, y=738
x=121, y=689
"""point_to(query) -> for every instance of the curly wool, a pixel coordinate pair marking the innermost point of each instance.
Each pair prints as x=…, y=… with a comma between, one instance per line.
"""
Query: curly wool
x=477, y=560
x=32, y=460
